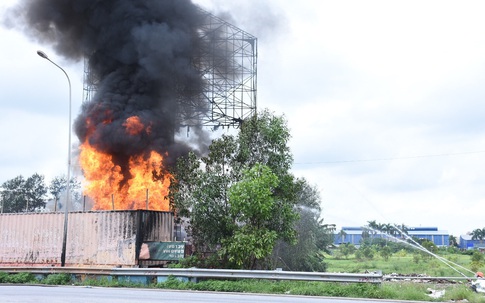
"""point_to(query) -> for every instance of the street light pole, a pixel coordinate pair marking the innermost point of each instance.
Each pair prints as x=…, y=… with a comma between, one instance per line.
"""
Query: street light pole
x=68, y=193
x=1, y=212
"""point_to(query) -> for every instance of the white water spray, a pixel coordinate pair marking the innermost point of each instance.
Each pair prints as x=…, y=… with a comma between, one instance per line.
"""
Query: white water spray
x=445, y=261
x=418, y=246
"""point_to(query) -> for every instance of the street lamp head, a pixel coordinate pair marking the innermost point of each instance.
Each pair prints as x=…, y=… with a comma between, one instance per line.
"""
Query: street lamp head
x=42, y=54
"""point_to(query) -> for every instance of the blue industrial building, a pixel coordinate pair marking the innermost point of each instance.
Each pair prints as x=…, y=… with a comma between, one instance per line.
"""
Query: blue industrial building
x=466, y=242
x=353, y=235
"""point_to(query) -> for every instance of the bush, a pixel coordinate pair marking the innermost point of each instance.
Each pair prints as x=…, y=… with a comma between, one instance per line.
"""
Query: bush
x=368, y=252
x=102, y=281
x=452, y=250
x=359, y=255
x=172, y=283
x=346, y=249
x=199, y=261
x=22, y=277
x=57, y=279
x=477, y=256
x=453, y=258
x=385, y=252
x=3, y=277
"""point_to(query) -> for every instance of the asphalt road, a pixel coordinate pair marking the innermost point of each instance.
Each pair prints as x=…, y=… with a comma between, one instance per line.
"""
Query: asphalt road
x=56, y=294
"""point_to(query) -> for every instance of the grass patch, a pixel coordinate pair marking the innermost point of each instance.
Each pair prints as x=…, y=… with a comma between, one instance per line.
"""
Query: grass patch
x=111, y=282
x=405, y=291
x=459, y=293
x=278, y=287
x=398, y=263
x=391, y=291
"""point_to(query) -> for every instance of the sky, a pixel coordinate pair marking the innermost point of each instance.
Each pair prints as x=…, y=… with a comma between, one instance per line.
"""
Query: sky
x=384, y=101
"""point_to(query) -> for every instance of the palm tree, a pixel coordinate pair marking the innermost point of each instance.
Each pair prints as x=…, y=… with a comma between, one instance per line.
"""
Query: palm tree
x=373, y=226
x=388, y=229
x=403, y=230
x=478, y=234
x=453, y=241
x=342, y=235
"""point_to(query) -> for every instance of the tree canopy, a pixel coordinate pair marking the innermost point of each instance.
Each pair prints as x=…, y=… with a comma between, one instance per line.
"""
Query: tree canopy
x=30, y=195
x=252, y=206
x=314, y=237
x=478, y=234
x=23, y=195
x=240, y=199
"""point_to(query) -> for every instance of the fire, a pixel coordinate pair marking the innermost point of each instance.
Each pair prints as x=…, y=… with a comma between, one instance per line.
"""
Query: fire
x=133, y=125
x=110, y=189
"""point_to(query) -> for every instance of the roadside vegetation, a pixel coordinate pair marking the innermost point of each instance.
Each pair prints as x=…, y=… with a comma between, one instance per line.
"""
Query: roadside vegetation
x=394, y=291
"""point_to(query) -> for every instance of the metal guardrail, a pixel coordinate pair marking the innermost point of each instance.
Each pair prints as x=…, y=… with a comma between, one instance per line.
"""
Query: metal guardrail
x=194, y=273
x=392, y=277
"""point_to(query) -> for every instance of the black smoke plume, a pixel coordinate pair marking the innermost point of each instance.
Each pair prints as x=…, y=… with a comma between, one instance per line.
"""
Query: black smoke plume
x=140, y=55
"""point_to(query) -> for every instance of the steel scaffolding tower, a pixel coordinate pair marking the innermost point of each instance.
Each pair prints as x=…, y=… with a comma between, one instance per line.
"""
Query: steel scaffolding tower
x=227, y=61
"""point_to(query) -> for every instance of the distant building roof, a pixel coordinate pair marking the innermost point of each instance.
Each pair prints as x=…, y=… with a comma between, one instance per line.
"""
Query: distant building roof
x=411, y=231
x=469, y=238
x=423, y=228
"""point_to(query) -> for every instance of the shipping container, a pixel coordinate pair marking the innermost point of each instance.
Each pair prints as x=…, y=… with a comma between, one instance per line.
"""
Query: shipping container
x=94, y=239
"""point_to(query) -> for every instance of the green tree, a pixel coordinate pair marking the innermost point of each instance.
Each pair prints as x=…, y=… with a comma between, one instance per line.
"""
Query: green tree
x=476, y=260
x=373, y=226
x=58, y=187
x=313, y=235
x=385, y=252
x=453, y=241
x=200, y=187
x=13, y=195
x=358, y=255
x=342, y=234
x=390, y=229
x=346, y=249
x=252, y=206
x=477, y=257
x=199, y=193
x=365, y=234
x=478, y=234
x=429, y=246
x=264, y=139
x=23, y=195
x=403, y=230
x=367, y=251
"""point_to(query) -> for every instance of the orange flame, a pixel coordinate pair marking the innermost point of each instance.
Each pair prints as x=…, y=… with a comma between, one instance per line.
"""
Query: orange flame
x=146, y=188
x=133, y=125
